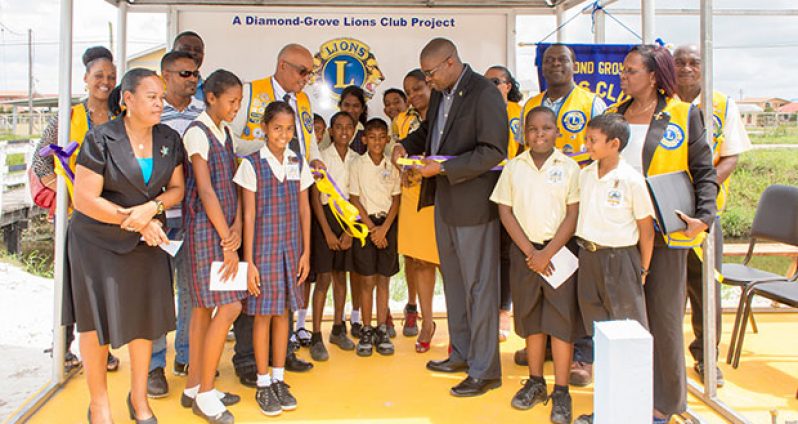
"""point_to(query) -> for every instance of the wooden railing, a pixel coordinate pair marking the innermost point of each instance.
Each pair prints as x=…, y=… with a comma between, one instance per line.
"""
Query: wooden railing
x=15, y=198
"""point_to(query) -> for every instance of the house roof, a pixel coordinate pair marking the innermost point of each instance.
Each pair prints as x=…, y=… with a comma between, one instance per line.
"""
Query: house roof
x=791, y=107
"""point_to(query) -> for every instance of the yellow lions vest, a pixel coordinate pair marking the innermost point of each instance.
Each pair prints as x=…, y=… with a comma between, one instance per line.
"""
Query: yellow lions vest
x=79, y=125
x=405, y=123
x=720, y=103
x=576, y=111
x=671, y=155
x=261, y=94
x=514, y=138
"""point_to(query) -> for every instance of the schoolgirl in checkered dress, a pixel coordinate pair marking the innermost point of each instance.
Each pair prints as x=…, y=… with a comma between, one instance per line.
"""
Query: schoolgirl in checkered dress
x=276, y=211
x=212, y=221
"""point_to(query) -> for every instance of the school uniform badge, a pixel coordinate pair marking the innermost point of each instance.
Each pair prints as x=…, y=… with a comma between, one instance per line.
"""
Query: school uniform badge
x=515, y=127
x=673, y=137
x=342, y=62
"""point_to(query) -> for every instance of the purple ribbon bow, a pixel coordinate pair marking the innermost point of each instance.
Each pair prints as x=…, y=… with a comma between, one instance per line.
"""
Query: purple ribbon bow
x=63, y=154
x=443, y=158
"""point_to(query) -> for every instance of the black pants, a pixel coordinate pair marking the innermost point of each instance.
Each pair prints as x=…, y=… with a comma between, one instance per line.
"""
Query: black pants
x=695, y=292
x=505, y=242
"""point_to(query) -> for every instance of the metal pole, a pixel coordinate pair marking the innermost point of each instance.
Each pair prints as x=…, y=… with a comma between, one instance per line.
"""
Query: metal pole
x=30, y=82
x=647, y=20
x=560, y=19
x=62, y=202
x=709, y=392
x=600, y=29
x=121, y=37
x=511, y=32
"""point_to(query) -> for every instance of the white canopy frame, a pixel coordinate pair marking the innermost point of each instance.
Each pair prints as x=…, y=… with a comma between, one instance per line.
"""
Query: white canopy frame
x=707, y=394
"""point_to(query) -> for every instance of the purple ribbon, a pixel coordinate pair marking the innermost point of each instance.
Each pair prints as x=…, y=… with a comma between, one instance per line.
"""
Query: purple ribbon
x=63, y=154
x=444, y=158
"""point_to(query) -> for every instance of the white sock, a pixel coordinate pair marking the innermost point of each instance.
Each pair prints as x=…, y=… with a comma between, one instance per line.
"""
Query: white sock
x=191, y=391
x=219, y=394
x=209, y=403
x=278, y=374
x=264, y=380
x=300, y=320
x=354, y=316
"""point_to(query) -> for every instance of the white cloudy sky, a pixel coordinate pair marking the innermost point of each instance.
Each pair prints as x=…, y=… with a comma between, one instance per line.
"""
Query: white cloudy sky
x=757, y=55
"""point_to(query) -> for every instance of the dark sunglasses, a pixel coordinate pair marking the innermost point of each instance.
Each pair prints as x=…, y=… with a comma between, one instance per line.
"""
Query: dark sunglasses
x=497, y=81
x=301, y=70
x=186, y=74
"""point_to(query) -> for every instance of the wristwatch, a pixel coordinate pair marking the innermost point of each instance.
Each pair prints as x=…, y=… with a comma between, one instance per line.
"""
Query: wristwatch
x=643, y=272
x=159, y=206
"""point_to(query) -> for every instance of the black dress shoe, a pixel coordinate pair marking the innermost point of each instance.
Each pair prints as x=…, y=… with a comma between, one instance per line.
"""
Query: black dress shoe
x=475, y=386
x=227, y=400
x=295, y=364
x=248, y=376
x=447, y=365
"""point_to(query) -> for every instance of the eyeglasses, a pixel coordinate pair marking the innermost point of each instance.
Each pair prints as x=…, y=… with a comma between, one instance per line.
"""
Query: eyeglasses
x=497, y=81
x=301, y=70
x=185, y=73
x=432, y=71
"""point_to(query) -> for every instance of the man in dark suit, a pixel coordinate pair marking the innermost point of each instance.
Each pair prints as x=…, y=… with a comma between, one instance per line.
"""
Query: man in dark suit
x=467, y=121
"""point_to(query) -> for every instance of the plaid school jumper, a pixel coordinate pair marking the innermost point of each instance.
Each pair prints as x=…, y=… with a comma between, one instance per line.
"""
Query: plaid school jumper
x=201, y=237
x=277, y=244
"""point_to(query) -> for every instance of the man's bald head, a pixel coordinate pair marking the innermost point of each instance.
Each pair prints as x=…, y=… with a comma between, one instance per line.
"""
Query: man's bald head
x=441, y=64
x=294, y=67
x=439, y=48
x=687, y=59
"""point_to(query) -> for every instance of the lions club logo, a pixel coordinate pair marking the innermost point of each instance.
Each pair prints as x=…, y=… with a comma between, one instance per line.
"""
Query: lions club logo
x=515, y=127
x=307, y=121
x=345, y=61
x=259, y=104
x=717, y=126
x=673, y=137
x=574, y=121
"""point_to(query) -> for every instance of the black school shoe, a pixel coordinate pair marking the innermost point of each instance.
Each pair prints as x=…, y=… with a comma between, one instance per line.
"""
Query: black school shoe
x=227, y=400
x=284, y=397
x=338, y=337
x=561, y=409
x=317, y=349
x=366, y=343
x=533, y=393
x=383, y=340
x=356, y=329
x=267, y=401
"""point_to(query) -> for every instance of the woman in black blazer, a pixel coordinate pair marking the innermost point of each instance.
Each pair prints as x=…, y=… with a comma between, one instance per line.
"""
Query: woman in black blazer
x=129, y=171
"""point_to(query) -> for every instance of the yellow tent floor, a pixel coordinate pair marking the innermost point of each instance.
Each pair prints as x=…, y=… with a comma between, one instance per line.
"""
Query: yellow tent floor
x=398, y=389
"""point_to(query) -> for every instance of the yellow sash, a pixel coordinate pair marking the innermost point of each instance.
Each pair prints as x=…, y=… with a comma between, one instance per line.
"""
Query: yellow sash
x=671, y=155
x=720, y=103
x=515, y=136
x=262, y=93
x=575, y=113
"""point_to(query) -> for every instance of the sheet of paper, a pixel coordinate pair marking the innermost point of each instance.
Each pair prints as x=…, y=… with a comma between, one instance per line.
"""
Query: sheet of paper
x=236, y=284
x=565, y=264
x=172, y=247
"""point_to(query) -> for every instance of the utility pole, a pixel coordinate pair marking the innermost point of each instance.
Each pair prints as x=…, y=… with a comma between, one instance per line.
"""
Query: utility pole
x=30, y=82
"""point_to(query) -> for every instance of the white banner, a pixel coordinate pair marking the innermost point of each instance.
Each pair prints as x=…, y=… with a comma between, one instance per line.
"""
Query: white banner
x=353, y=42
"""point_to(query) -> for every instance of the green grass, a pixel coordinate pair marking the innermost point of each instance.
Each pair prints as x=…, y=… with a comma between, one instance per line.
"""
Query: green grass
x=33, y=262
x=15, y=159
x=756, y=170
x=777, y=135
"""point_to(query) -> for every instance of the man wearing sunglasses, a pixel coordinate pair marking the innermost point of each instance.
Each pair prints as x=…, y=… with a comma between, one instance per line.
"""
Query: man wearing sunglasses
x=190, y=42
x=467, y=121
x=294, y=70
x=180, y=107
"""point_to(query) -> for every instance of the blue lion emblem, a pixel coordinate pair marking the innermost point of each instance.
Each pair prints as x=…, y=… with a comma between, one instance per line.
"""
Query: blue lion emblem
x=718, y=126
x=673, y=137
x=574, y=121
x=307, y=120
x=515, y=127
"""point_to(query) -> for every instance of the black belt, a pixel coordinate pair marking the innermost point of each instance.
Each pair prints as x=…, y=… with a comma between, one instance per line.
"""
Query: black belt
x=590, y=246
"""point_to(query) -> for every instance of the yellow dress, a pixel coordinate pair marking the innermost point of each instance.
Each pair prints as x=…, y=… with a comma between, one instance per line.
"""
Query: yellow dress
x=416, y=228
